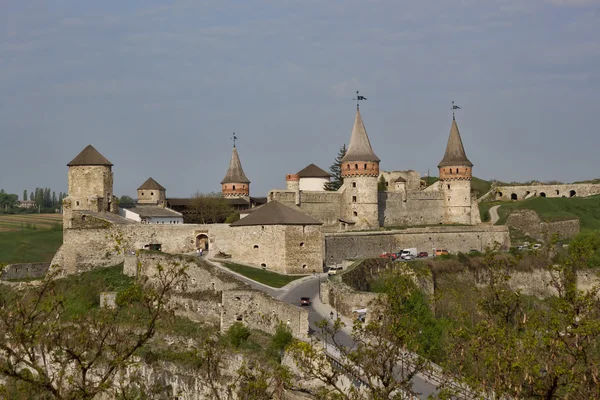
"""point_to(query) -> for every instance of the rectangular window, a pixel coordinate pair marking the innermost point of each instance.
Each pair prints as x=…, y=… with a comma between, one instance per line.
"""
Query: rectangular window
x=353, y=184
x=354, y=199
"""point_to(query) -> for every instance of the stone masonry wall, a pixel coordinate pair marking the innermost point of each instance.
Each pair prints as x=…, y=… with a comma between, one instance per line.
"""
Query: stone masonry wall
x=414, y=208
x=352, y=245
x=413, y=179
x=529, y=222
x=304, y=249
x=24, y=271
x=259, y=311
x=522, y=192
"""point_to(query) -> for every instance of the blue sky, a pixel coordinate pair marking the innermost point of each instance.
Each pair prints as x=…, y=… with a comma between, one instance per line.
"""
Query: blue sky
x=158, y=87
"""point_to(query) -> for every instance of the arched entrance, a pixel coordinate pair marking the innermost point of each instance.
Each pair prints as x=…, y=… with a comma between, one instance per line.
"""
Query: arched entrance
x=513, y=196
x=202, y=242
x=572, y=193
x=542, y=194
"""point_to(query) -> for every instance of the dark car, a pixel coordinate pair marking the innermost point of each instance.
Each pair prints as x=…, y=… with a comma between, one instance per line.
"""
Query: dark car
x=423, y=254
x=305, y=301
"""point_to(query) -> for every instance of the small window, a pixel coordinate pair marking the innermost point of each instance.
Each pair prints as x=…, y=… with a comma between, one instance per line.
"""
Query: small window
x=365, y=166
x=353, y=184
x=448, y=186
x=142, y=193
x=233, y=187
x=238, y=298
x=354, y=199
x=355, y=214
x=355, y=166
x=263, y=265
x=83, y=217
x=457, y=170
x=348, y=166
x=77, y=203
x=151, y=193
x=255, y=246
x=301, y=244
x=303, y=266
x=240, y=318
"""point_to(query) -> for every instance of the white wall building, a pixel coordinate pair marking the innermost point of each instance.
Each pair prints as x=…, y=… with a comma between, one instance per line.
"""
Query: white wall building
x=313, y=178
x=150, y=214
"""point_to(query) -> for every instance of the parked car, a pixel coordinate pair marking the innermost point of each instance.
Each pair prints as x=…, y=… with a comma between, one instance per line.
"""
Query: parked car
x=305, y=301
x=390, y=256
x=422, y=254
x=408, y=257
x=441, y=252
x=522, y=248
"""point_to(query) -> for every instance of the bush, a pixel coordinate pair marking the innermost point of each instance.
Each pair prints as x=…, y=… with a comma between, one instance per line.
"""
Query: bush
x=233, y=218
x=282, y=338
x=237, y=334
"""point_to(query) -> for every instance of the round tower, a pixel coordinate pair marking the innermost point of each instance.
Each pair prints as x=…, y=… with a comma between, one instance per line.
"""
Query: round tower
x=455, y=180
x=292, y=182
x=151, y=192
x=235, y=183
x=91, y=182
x=360, y=170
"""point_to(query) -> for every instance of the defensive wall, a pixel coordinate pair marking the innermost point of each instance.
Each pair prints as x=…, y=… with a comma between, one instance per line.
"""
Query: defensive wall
x=410, y=208
x=326, y=207
x=412, y=178
x=353, y=245
x=507, y=193
x=213, y=295
x=24, y=271
x=530, y=223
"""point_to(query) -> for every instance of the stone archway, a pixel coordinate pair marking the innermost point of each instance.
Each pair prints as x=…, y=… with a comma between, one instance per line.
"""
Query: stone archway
x=542, y=194
x=572, y=193
x=202, y=241
x=513, y=196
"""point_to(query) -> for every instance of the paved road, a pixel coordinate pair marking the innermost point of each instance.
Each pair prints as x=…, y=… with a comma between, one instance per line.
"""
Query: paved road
x=494, y=215
x=318, y=311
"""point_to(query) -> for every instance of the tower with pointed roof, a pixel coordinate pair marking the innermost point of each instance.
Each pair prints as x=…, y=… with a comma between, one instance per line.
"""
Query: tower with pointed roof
x=360, y=170
x=151, y=192
x=455, y=180
x=235, y=183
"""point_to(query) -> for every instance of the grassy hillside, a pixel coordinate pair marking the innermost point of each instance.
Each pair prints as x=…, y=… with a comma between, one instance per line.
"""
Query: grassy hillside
x=478, y=185
x=587, y=209
x=29, y=245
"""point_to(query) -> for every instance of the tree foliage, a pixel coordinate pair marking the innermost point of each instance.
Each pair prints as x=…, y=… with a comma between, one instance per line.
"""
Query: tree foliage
x=211, y=208
x=8, y=200
x=382, y=184
x=49, y=353
x=336, y=170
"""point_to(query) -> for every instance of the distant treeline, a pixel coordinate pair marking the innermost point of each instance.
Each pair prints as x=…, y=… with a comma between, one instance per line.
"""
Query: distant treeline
x=44, y=199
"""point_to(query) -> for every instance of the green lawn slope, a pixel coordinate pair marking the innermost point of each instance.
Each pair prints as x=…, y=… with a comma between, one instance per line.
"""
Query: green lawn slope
x=23, y=246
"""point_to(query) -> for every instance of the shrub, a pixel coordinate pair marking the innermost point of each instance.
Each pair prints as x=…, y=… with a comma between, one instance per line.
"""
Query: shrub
x=237, y=334
x=282, y=338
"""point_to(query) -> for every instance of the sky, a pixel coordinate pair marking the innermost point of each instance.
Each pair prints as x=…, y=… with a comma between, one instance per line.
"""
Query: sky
x=158, y=87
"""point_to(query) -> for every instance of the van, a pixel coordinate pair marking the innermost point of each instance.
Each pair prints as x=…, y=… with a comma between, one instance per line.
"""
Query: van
x=441, y=252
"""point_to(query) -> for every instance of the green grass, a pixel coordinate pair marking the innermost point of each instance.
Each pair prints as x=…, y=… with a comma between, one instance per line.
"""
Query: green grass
x=480, y=186
x=265, y=277
x=29, y=245
x=586, y=209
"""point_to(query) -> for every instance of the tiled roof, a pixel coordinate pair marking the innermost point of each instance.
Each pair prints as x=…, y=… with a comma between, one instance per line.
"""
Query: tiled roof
x=360, y=146
x=455, y=152
x=235, y=173
x=89, y=156
x=312, y=171
x=151, y=184
x=275, y=213
x=153, y=211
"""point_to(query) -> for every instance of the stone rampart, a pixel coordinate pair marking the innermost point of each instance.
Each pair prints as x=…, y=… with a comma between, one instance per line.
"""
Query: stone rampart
x=507, y=193
x=529, y=222
x=353, y=245
x=414, y=208
x=24, y=271
x=259, y=311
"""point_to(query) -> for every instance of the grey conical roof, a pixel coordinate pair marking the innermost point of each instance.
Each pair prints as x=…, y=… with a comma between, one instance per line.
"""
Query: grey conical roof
x=312, y=171
x=89, y=156
x=455, y=152
x=275, y=213
x=360, y=146
x=151, y=184
x=235, y=173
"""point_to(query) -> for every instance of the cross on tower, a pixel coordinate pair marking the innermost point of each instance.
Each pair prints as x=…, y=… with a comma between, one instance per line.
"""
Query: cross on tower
x=358, y=98
x=454, y=108
x=234, y=138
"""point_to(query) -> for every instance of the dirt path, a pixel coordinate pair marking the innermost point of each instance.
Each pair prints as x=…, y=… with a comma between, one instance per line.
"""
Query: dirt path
x=494, y=215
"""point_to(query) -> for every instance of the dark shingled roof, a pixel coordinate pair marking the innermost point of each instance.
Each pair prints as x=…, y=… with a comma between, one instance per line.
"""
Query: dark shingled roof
x=400, y=179
x=275, y=213
x=235, y=173
x=237, y=201
x=455, y=152
x=360, y=146
x=89, y=156
x=312, y=171
x=151, y=184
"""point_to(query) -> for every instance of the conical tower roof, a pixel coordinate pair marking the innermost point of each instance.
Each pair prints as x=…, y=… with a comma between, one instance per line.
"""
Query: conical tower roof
x=455, y=152
x=360, y=146
x=151, y=184
x=235, y=173
x=89, y=156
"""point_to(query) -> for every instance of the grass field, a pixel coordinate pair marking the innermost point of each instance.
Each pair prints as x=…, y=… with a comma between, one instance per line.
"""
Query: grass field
x=265, y=277
x=587, y=209
x=16, y=222
x=21, y=246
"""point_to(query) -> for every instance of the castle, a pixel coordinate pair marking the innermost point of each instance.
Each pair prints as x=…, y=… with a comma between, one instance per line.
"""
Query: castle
x=297, y=230
x=358, y=205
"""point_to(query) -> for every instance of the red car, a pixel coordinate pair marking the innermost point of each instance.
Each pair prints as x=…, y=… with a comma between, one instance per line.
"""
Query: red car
x=422, y=254
x=391, y=256
x=305, y=301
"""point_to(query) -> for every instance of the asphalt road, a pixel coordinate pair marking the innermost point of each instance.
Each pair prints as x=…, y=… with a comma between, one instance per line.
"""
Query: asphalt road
x=318, y=311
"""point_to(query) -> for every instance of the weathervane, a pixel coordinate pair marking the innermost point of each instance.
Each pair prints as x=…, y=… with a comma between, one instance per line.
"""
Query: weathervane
x=234, y=138
x=454, y=108
x=358, y=98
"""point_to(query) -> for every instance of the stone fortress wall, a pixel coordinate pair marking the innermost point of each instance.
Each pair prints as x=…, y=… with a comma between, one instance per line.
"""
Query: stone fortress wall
x=530, y=223
x=507, y=193
x=353, y=245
